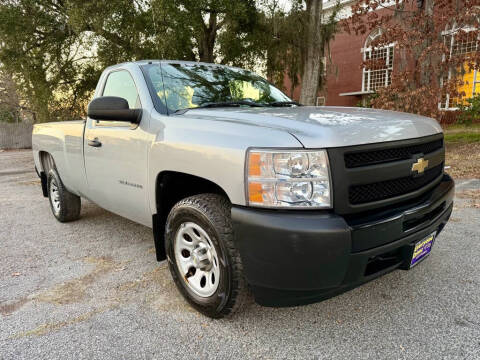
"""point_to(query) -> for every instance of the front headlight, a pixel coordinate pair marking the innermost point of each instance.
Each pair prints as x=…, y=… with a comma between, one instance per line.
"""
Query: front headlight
x=288, y=178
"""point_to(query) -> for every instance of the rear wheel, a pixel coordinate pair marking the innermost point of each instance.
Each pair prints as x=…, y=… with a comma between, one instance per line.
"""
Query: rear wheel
x=65, y=205
x=202, y=258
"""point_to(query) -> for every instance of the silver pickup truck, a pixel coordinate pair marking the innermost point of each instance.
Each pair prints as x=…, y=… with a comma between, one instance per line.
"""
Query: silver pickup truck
x=246, y=190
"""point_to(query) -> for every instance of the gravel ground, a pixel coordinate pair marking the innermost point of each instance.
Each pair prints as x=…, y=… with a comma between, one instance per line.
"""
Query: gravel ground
x=92, y=289
x=463, y=159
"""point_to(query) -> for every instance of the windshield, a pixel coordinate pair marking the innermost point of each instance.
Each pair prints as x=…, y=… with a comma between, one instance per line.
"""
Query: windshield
x=186, y=86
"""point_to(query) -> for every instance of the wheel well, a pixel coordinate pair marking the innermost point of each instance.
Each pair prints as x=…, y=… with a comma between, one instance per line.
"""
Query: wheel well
x=47, y=162
x=171, y=187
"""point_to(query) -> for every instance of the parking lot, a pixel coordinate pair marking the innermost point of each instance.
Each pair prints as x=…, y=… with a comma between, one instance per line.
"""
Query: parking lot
x=92, y=289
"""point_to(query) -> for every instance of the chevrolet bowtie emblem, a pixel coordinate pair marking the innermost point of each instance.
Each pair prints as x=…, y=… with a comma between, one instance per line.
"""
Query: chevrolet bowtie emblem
x=420, y=165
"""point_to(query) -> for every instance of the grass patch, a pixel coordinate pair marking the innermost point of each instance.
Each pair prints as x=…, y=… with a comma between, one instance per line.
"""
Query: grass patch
x=462, y=134
x=462, y=128
x=462, y=137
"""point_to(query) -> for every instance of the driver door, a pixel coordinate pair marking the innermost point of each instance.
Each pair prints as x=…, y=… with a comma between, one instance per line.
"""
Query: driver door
x=116, y=156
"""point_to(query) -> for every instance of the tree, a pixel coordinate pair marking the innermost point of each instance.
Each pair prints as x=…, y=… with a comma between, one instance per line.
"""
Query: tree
x=9, y=100
x=312, y=64
x=428, y=68
x=297, y=45
x=56, y=49
x=281, y=39
x=39, y=49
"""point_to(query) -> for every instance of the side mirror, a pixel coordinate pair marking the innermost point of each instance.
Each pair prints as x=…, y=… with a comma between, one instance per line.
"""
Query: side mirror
x=113, y=108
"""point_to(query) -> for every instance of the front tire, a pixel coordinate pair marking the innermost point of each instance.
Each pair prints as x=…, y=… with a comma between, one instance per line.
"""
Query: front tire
x=65, y=205
x=202, y=257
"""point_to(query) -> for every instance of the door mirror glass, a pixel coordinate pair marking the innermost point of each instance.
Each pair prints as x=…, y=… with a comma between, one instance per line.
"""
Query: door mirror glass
x=113, y=108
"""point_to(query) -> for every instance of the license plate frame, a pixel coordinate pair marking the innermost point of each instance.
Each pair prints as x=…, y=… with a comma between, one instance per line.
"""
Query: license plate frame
x=422, y=249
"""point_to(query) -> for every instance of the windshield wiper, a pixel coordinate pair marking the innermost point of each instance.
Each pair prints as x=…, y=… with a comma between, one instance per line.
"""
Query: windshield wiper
x=231, y=103
x=283, y=103
x=222, y=104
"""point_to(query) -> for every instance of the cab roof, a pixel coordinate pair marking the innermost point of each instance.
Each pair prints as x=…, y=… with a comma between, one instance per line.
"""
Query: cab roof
x=181, y=62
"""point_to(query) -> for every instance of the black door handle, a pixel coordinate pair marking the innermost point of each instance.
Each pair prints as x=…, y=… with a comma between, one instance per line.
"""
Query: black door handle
x=94, y=143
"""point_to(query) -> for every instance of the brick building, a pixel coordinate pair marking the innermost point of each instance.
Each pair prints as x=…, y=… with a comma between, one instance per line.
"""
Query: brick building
x=348, y=84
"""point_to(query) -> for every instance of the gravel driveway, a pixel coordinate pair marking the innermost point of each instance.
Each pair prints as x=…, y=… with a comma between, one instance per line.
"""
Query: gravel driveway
x=92, y=289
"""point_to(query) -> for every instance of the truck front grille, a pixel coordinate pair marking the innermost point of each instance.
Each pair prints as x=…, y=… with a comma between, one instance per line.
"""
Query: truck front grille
x=364, y=158
x=375, y=176
x=360, y=194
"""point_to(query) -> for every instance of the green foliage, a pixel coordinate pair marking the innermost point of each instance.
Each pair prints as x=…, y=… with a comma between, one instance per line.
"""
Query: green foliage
x=56, y=49
x=470, y=112
x=48, y=59
x=217, y=29
x=463, y=137
x=285, y=45
x=367, y=102
x=7, y=116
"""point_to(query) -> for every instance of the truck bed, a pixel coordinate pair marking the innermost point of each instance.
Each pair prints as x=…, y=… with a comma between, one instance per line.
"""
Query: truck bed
x=64, y=142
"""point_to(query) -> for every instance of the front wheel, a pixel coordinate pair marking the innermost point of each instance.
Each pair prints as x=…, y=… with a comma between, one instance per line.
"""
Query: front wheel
x=202, y=258
x=65, y=205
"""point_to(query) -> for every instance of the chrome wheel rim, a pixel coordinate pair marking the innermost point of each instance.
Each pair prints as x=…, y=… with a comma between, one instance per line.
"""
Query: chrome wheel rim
x=54, y=197
x=197, y=259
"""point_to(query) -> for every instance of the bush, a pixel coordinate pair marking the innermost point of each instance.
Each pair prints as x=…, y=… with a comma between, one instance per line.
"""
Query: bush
x=449, y=117
x=7, y=116
x=470, y=112
x=367, y=102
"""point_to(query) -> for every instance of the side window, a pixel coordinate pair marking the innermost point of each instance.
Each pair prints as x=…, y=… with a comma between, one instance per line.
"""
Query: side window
x=121, y=84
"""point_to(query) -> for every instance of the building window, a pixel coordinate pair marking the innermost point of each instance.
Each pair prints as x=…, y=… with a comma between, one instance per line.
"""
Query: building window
x=465, y=45
x=320, y=101
x=461, y=45
x=380, y=73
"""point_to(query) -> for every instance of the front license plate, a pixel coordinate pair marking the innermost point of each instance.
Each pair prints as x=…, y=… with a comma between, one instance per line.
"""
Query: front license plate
x=422, y=249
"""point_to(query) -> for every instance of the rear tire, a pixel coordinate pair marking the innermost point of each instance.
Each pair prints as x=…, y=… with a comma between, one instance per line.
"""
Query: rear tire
x=202, y=257
x=65, y=205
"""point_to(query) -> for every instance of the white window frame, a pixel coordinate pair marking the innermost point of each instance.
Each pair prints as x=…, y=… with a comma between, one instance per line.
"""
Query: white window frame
x=388, y=69
x=451, y=33
x=321, y=101
x=476, y=82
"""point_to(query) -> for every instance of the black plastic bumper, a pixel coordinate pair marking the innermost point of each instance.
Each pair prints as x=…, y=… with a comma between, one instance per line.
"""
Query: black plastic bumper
x=297, y=257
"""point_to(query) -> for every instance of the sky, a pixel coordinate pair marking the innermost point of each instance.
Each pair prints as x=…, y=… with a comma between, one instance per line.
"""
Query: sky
x=285, y=4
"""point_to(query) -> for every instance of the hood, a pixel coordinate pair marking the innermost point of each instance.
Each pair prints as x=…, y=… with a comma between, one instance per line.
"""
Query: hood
x=323, y=127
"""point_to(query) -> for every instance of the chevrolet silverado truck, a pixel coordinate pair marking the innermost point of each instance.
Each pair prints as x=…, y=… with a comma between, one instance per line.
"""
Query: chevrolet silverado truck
x=247, y=191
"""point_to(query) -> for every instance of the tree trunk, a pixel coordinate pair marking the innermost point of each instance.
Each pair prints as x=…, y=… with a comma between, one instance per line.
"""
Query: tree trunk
x=312, y=68
x=425, y=75
x=207, y=40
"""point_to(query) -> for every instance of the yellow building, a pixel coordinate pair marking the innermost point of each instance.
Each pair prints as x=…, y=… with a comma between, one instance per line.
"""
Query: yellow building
x=468, y=44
